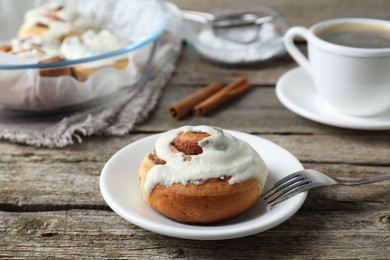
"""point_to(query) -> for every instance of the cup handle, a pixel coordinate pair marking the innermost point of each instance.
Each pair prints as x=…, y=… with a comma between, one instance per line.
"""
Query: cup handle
x=292, y=48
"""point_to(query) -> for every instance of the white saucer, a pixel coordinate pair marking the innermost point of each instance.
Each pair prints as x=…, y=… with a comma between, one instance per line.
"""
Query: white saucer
x=295, y=89
x=120, y=188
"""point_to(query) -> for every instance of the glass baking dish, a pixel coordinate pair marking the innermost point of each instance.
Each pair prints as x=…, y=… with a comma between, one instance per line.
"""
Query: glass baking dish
x=27, y=85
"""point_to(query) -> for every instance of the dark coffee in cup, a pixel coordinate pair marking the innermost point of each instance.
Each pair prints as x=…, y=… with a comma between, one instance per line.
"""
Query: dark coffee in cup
x=357, y=35
x=349, y=62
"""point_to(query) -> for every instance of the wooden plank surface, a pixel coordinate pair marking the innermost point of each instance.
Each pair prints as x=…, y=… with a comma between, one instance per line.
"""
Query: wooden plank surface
x=35, y=178
x=97, y=234
x=302, y=12
x=51, y=206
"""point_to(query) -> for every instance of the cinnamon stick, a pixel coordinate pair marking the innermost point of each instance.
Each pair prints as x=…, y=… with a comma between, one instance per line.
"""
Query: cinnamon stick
x=181, y=108
x=234, y=89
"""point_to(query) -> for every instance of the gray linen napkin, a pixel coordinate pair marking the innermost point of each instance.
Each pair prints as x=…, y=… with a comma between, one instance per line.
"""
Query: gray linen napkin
x=115, y=116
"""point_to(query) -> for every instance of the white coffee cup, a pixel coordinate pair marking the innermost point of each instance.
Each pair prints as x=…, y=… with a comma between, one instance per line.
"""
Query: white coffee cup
x=354, y=80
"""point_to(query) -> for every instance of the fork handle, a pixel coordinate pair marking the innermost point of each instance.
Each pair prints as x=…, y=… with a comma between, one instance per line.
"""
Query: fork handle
x=372, y=179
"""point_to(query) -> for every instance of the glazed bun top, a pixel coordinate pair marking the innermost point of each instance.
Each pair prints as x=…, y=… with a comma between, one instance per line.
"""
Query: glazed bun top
x=216, y=154
x=59, y=20
x=93, y=43
x=36, y=48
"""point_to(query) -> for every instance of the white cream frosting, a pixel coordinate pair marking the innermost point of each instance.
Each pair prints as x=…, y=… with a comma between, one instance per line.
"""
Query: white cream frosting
x=91, y=44
x=69, y=20
x=36, y=48
x=223, y=155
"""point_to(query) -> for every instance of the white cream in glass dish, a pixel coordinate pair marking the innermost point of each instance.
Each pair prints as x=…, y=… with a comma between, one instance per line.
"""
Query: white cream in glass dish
x=112, y=45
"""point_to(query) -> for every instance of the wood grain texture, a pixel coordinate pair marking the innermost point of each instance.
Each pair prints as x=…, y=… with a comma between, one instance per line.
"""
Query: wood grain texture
x=38, y=179
x=257, y=111
x=302, y=12
x=90, y=234
x=51, y=206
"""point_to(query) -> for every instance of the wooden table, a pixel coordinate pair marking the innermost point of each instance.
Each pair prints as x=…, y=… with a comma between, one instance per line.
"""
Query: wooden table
x=51, y=206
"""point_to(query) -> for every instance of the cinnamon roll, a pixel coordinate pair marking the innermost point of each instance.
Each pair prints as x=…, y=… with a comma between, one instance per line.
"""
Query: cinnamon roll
x=37, y=49
x=91, y=44
x=201, y=174
x=55, y=20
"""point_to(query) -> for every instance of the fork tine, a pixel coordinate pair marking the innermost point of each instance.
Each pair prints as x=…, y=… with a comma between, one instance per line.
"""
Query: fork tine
x=289, y=189
x=282, y=181
x=306, y=186
x=306, y=179
x=281, y=187
x=289, y=194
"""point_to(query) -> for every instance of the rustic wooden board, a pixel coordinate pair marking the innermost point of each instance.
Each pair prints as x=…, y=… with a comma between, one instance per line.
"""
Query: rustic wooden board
x=97, y=234
x=34, y=179
x=257, y=111
x=302, y=12
x=51, y=206
x=192, y=70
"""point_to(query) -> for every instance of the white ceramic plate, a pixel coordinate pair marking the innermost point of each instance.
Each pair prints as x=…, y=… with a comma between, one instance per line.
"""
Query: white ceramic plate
x=296, y=90
x=120, y=188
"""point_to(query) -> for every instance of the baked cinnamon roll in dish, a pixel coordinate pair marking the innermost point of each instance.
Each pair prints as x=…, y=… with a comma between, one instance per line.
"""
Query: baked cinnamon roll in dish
x=38, y=49
x=90, y=44
x=201, y=174
x=55, y=20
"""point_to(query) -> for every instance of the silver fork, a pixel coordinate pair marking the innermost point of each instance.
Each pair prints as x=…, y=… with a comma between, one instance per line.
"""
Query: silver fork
x=307, y=179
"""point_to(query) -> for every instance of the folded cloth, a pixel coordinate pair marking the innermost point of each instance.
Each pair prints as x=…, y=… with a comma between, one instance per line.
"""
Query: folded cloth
x=115, y=116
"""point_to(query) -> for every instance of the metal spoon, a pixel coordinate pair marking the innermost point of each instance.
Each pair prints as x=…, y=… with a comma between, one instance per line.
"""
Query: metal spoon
x=242, y=27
